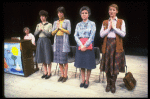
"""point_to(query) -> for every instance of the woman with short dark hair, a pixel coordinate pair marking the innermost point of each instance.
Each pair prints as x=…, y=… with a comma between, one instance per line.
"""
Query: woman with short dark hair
x=85, y=57
x=44, y=49
x=61, y=30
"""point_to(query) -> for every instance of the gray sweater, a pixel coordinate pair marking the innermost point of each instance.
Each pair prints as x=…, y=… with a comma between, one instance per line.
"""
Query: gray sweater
x=47, y=30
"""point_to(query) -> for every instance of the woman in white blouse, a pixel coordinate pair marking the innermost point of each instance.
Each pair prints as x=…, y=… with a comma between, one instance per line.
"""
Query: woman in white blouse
x=112, y=30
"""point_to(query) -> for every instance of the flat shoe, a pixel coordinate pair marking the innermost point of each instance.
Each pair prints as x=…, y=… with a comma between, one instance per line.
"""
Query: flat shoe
x=44, y=76
x=60, y=79
x=64, y=79
x=82, y=84
x=47, y=77
x=86, y=85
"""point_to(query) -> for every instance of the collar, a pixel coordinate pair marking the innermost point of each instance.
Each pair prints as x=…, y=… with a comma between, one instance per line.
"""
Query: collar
x=114, y=18
x=45, y=23
x=28, y=34
x=85, y=22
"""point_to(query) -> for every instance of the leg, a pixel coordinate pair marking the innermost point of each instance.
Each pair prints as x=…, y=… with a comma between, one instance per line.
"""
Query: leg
x=108, y=75
x=83, y=77
x=65, y=70
x=45, y=68
x=88, y=76
x=49, y=69
x=61, y=70
x=113, y=82
x=83, y=74
x=49, y=72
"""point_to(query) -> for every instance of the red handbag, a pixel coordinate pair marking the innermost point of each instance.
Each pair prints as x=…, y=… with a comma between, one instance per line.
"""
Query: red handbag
x=83, y=40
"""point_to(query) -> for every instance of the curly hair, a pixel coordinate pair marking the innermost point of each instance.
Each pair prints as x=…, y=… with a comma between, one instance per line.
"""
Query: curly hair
x=85, y=8
x=43, y=13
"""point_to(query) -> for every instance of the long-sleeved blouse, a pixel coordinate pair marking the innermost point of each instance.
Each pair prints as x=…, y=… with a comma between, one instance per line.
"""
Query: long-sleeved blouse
x=47, y=30
x=85, y=30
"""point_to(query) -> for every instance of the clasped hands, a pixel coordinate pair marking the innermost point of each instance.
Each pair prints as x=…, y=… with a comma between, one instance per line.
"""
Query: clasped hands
x=41, y=26
x=83, y=48
x=112, y=24
x=58, y=25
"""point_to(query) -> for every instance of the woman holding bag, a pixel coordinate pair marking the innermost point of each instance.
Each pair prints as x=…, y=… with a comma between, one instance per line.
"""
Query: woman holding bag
x=84, y=37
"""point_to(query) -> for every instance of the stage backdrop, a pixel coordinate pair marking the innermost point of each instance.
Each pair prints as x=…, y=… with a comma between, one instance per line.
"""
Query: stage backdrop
x=12, y=58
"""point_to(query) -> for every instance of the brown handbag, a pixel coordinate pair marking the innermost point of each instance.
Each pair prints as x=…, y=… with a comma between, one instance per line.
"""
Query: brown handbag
x=129, y=80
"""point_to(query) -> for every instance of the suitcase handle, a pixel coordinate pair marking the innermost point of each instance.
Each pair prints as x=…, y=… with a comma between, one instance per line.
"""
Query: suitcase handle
x=126, y=68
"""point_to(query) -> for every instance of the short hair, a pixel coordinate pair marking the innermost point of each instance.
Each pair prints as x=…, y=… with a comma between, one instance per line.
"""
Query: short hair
x=114, y=5
x=62, y=10
x=43, y=13
x=26, y=28
x=85, y=8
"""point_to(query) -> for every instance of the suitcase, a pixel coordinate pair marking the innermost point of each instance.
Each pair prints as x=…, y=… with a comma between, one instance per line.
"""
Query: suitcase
x=129, y=80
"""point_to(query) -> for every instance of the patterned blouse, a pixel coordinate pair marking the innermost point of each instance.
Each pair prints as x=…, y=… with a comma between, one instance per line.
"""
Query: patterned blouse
x=85, y=30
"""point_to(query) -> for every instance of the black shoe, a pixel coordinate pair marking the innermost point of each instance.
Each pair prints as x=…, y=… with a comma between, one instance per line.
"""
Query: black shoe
x=64, y=79
x=60, y=79
x=47, y=77
x=82, y=84
x=44, y=76
x=86, y=85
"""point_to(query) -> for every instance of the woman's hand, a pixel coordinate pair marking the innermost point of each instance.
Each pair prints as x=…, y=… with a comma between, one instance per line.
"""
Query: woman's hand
x=112, y=25
x=41, y=26
x=83, y=48
x=58, y=24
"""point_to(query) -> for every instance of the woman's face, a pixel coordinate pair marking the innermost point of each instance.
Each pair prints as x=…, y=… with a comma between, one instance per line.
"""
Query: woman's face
x=112, y=11
x=43, y=18
x=27, y=31
x=84, y=14
x=60, y=15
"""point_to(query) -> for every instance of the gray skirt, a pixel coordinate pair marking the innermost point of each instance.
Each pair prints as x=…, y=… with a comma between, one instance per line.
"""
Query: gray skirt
x=44, y=53
x=59, y=56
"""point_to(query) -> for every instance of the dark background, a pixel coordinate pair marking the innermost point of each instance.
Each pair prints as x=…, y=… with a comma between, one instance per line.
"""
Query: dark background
x=17, y=15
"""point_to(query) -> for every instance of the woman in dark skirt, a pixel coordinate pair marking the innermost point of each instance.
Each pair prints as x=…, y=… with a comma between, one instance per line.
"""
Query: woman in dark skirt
x=113, y=30
x=85, y=58
x=61, y=30
x=44, y=50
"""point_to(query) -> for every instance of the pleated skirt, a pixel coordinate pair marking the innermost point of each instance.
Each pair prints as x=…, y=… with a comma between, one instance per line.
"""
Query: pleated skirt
x=112, y=61
x=44, y=52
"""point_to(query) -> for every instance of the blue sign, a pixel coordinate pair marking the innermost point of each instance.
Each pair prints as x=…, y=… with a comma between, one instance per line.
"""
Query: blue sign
x=12, y=59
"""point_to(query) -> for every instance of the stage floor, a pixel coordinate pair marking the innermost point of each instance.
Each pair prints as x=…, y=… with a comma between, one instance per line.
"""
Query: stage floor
x=34, y=86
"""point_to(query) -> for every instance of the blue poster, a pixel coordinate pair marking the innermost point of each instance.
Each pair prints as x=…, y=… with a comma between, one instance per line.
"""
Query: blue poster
x=12, y=59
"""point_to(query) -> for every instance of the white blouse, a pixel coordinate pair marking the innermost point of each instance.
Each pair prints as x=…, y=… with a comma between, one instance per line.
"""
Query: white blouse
x=112, y=32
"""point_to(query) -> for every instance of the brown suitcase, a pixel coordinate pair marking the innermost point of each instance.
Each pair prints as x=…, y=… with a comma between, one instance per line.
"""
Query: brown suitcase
x=129, y=80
